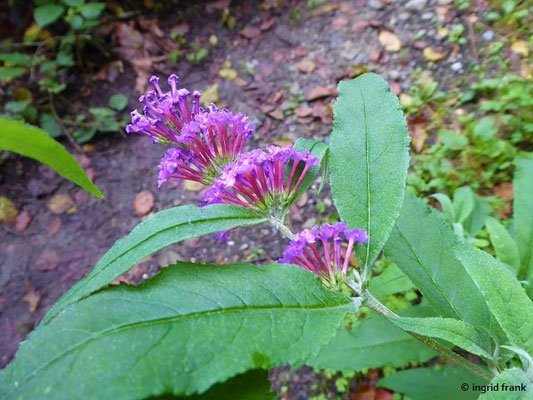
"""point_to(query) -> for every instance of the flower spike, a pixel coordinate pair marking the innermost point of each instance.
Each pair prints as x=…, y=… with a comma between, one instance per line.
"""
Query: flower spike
x=262, y=180
x=319, y=250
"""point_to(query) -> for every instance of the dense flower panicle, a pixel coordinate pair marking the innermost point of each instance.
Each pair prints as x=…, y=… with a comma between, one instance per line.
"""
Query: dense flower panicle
x=165, y=113
x=319, y=249
x=260, y=179
x=205, y=140
x=215, y=138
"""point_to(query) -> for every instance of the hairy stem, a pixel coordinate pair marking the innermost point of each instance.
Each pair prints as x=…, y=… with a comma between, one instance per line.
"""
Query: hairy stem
x=280, y=226
x=376, y=305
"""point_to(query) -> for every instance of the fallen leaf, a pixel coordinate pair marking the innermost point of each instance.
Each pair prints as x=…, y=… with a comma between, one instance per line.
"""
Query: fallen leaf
x=192, y=186
x=303, y=111
x=276, y=114
x=250, y=32
x=433, y=54
x=360, y=26
x=319, y=92
x=47, y=260
x=504, y=190
x=8, y=211
x=395, y=87
x=110, y=71
x=418, y=136
x=520, y=47
x=268, y=24
x=143, y=203
x=389, y=41
x=228, y=74
x=406, y=100
x=217, y=5
x=374, y=54
x=339, y=23
x=22, y=221
x=180, y=29
x=53, y=226
x=324, y=9
x=323, y=111
x=32, y=297
x=306, y=65
x=382, y=394
x=209, y=95
x=276, y=97
x=61, y=203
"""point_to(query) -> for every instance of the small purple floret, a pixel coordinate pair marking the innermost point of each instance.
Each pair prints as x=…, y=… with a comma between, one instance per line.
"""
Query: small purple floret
x=319, y=249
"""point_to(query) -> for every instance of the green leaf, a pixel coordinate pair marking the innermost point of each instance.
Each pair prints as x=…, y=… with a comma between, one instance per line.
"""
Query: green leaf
x=452, y=330
x=510, y=377
x=463, y=203
x=426, y=256
x=161, y=230
x=11, y=72
x=392, y=280
x=180, y=332
x=435, y=384
x=118, y=101
x=30, y=141
x=476, y=220
x=316, y=148
x=92, y=10
x=504, y=245
x=252, y=385
x=452, y=140
x=485, y=128
x=372, y=343
x=50, y=125
x=73, y=3
x=447, y=206
x=47, y=14
x=504, y=295
x=523, y=216
x=16, y=58
x=369, y=156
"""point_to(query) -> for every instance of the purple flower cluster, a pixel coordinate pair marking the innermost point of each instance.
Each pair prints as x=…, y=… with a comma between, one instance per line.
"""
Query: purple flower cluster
x=262, y=179
x=205, y=140
x=319, y=249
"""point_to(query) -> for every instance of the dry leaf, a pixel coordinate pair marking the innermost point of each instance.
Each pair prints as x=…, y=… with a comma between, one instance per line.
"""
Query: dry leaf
x=22, y=221
x=418, y=136
x=143, y=203
x=520, y=47
x=32, y=297
x=324, y=9
x=306, y=65
x=228, y=74
x=303, y=111
x=8, y=211
x=389, y=41
x=209, y=95
x=250, y=32
x=61, y=203
x=47, y=260
x=321, y=91
x=433, y=54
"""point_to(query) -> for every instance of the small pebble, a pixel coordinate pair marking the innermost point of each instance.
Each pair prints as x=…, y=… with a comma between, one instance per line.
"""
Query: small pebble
x=427, y=16
x=456, y=66
x=487, y=36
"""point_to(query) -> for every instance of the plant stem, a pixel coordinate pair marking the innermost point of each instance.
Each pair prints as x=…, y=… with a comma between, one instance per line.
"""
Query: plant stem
x=376, y=305
x=278, y=224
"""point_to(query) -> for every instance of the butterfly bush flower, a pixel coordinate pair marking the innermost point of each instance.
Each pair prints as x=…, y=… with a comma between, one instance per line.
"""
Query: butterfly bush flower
x=320, y=250
x=204, y=140
x=264, y=180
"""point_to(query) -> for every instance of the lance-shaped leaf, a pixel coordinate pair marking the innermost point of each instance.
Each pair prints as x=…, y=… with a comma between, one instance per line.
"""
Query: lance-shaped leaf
x=452, y=330
x=163, y=229
x=435, y=384
x=30, y=141
x=318, y=149
x=372, y=343
x=180, y=332
x=504, y=245
x=505, y=297
x=421, y=244
x=369, y=156
x=523, y=217
x=522, y=388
